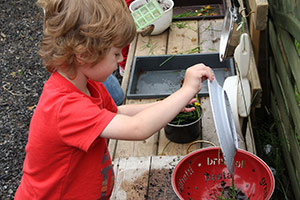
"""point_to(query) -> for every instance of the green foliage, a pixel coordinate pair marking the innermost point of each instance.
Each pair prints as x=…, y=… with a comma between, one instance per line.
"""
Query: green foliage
x=297, y=95
x=297, y=46
x=187, y=117
x=191, y=51
x=204, y=11
x=268, y=146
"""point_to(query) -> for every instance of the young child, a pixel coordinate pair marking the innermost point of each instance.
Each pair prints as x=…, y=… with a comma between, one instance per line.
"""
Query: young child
x=66, y=154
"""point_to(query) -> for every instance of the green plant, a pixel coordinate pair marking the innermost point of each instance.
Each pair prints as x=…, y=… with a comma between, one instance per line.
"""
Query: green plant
x=269, y=149
x=204, y=11
x=191, y=51
x=231, y=193
x=188, y=117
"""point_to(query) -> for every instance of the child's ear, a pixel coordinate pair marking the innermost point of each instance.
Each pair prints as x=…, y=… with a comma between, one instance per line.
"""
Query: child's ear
x=80, y=58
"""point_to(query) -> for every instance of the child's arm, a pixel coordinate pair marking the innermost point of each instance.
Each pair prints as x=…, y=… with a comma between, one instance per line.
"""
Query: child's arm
x=154, y=117
x=133, y=109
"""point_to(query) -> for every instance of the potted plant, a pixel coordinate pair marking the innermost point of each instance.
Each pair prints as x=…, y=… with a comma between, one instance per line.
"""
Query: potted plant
x=186, y=126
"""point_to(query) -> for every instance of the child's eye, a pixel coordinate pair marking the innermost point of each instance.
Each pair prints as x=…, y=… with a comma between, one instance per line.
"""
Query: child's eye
x=117, y=54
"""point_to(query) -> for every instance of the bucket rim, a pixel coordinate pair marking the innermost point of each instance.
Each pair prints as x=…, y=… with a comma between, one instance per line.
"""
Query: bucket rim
x=219, y=148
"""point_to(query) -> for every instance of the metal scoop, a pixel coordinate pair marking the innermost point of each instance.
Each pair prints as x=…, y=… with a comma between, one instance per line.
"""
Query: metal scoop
x=230, y=35
x=224, y=123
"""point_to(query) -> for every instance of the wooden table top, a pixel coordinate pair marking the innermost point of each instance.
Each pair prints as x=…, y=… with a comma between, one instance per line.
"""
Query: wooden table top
x=136, y=163
x=181, y=37
x=144, y=178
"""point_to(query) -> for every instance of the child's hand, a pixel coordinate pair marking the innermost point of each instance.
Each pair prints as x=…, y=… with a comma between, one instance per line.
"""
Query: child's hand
x=195, y=75
x=189, y=109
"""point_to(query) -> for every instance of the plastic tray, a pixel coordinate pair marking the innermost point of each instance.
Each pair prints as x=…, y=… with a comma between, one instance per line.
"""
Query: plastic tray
x=150, y=80
x=184, y=6
x=147, y=14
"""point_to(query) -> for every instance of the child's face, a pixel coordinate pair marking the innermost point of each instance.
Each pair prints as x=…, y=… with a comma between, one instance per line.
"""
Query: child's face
x=101, y=70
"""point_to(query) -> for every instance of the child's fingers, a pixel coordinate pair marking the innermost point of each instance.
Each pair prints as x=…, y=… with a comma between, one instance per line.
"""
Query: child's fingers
x=207, y=73
x=192, y=101
x=188, y=109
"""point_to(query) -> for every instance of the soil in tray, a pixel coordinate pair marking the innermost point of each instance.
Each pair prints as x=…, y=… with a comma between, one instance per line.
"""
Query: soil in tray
x=196, y=12
x=185, y=10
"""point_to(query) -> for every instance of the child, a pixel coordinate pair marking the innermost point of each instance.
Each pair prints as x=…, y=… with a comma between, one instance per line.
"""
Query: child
x=66, y=154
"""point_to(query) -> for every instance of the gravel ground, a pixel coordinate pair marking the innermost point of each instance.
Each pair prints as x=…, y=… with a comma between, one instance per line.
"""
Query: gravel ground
x=22, y=77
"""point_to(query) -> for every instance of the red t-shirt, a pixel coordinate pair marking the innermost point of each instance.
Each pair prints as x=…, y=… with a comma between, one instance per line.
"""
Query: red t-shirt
x=65, y=157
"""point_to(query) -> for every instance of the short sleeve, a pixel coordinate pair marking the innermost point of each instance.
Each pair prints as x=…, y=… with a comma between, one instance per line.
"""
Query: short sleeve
x=80, y=121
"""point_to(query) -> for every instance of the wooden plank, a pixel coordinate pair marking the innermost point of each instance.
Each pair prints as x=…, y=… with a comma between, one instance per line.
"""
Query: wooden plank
x=168, y=148
x=152, y=45
x=132, y=178
x=209, y=132
x=260, y=15
x=285, y=148
x=183, y=37
x=286, y=21
x=291, y=54
x=137, y=148
x=160, y=178
x=288, y=88
x=285, y=116
x=255, y=38
x=209, y=35
x=130, y=56
x=249, y=138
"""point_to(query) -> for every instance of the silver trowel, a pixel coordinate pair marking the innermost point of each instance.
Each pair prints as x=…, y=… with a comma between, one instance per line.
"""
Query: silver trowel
x=224, y=123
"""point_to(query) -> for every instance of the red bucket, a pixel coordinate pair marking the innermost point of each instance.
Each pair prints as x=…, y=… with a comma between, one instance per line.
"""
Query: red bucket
x=203, y=174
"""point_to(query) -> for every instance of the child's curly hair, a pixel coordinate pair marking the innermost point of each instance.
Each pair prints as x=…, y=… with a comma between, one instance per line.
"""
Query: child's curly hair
x=86, y=27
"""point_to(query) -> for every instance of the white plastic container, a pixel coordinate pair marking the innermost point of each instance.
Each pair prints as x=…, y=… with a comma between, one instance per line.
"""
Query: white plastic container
x=162, y=23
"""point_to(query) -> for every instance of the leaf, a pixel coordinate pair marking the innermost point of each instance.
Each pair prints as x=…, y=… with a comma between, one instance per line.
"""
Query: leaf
x=31, y=107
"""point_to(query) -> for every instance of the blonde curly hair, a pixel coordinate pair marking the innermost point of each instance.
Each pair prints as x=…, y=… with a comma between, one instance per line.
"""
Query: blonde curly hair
x=86, y=27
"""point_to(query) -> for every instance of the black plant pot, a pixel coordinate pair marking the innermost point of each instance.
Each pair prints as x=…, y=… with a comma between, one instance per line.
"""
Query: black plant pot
x=184, y=133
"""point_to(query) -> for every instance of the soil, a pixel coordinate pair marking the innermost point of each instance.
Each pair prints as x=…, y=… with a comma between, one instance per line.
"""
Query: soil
x=160, y=185
x=227, y=194
x=22, y=77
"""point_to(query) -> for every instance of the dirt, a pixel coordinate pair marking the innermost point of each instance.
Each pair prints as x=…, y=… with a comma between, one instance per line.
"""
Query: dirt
x=136, y=189
x=160, y=187
x=156, y=185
